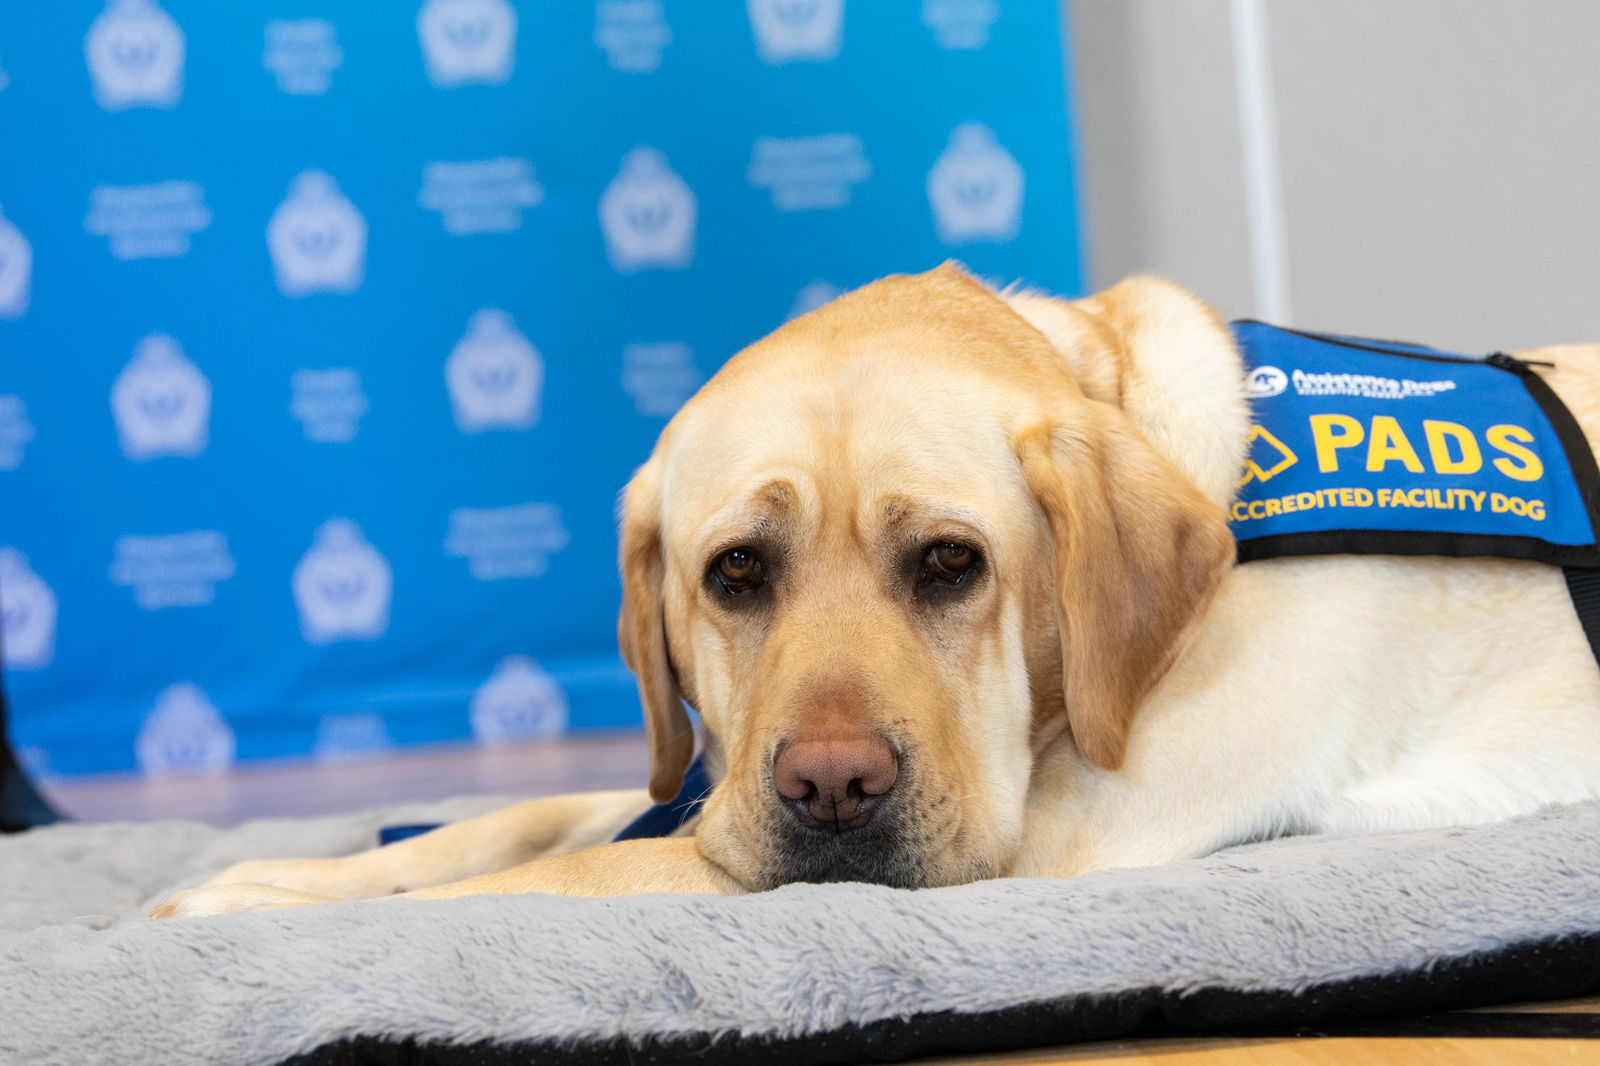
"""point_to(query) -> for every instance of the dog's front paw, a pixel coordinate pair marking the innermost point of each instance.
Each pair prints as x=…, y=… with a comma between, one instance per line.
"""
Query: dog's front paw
x=232, y=899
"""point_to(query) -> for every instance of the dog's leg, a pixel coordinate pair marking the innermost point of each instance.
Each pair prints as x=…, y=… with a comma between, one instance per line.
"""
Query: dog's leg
x=626, y=868
x=501, y=839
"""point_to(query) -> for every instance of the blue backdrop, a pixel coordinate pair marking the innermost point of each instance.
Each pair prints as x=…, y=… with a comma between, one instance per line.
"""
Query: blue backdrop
x=329, y=330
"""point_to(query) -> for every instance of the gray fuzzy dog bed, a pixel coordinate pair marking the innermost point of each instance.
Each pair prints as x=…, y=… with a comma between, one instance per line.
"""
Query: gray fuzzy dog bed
x=1295, y=932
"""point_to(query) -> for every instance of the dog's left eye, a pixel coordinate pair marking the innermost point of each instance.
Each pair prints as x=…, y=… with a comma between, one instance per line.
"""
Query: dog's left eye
x=948, y=563
x=739, y=570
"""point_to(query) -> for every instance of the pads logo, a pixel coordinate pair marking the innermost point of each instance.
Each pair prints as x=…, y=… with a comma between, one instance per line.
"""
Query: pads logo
x=27, y=614
x=797, y=30
x=648, y=215
x=1268, y=456
x=467, y=41
x=518, y=702
x=975, y=188
x=135, y=55
x=16, y=270
x=342, y=586
x=494, y=375
x=161, y=402
x=1265, y=381
x=317, y=238
x=184, y=734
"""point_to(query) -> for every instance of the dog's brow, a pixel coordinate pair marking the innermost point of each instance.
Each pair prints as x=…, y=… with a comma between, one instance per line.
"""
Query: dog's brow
x=778, y=495
x=901, y=514
x=754, y=516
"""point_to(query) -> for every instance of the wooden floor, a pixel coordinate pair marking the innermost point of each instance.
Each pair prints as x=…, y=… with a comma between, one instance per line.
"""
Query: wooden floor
x=620, y=761
x=283, y=789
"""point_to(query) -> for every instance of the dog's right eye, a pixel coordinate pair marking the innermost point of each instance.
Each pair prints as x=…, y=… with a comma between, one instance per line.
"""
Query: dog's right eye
x=739, y=570
x=947, y=564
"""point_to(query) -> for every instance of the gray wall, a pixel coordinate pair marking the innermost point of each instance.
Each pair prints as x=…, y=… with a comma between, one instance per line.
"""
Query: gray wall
x=1438, y=161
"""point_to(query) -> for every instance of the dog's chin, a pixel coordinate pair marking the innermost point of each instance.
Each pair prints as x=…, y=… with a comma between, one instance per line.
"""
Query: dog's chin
x=876, y=855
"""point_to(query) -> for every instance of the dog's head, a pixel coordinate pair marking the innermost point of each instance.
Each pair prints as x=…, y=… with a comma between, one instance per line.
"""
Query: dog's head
x=891, y=550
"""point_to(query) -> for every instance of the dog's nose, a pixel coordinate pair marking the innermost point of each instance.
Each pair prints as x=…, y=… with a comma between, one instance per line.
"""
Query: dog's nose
x=835, y=782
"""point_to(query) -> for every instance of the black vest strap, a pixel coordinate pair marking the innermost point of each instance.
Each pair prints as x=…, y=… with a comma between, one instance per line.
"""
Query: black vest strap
x=1584, y=586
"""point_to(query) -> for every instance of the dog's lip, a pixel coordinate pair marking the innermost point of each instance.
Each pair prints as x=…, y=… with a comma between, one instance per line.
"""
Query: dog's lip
x=865, y=808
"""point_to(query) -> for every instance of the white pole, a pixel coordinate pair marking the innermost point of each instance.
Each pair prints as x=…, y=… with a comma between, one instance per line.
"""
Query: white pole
x=1269, y=250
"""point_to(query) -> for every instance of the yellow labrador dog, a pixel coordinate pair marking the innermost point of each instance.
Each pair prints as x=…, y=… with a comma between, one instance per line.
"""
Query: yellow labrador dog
x=946, y=574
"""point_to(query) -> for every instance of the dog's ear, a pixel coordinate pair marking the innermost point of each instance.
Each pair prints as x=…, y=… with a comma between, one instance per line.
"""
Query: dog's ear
x=642, y=635
x=1164, y=357
x=1138, y=551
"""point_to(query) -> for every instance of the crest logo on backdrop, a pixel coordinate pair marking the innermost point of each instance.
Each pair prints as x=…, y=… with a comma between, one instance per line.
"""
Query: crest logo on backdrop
x=494, y=375
x=648, y=215
x=467, y=41
x=960, y=24
x=16, y=270
x=135, y=54
x=184, y=733
x=15, y=431
x=342, y=586
x=789, y=31
x=317, y=238
x=975, y=188
x=161, y=402
x=518, y=702
x=632, y=33
x=302, y=54
x=27, y=614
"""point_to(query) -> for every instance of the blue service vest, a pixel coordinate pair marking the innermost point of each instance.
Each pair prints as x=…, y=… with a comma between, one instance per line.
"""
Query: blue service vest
x=1379, y=447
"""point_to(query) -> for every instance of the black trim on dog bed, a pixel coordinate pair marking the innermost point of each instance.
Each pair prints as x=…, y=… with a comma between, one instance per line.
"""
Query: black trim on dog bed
x=1562, y=968
x=1488, y=1025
